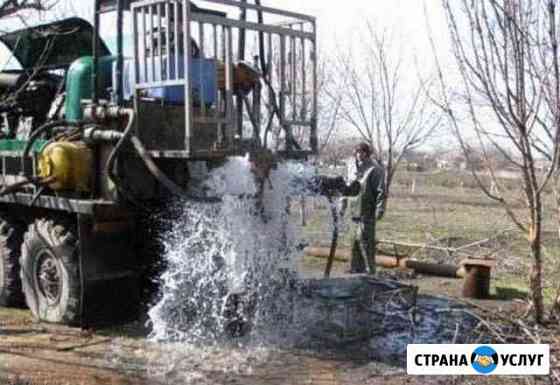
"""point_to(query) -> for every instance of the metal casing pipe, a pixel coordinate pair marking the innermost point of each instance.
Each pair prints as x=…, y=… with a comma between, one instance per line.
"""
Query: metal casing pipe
x=95, y=50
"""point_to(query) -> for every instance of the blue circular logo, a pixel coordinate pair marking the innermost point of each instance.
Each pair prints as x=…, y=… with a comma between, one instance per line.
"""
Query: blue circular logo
x=484, y=359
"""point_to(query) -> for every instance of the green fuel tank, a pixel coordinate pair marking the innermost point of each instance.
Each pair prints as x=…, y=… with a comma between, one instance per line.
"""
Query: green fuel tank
x=78, y=84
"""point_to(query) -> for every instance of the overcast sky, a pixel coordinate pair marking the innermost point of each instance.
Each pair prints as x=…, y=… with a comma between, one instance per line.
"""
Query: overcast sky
x=338, y=21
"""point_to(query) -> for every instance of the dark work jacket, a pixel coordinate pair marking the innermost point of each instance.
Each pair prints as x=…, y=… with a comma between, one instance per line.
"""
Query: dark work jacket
x=369, y=204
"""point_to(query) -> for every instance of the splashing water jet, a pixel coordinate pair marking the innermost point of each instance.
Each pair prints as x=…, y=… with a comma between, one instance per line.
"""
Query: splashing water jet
x=229, y=264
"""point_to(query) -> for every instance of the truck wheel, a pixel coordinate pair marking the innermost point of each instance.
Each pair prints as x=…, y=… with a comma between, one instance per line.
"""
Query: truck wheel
x=50, y=272
x=10, y=283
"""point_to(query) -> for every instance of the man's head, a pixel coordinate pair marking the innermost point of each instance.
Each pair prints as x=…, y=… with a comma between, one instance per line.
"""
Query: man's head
x=362, y=151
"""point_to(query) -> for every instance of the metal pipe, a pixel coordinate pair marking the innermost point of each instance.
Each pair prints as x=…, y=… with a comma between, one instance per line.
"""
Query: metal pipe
x=229, y=79
x=435, y=269
x=95, y=48
x=120, y=63
x=258, y=7
x=167, y=12
x=260, y=20
x=303, y=81
x=187, y=70
x=176, y=40
x=136, y=46
x=241, y=57
x=216, y=90
x=293, y=70
x=144, y=53
x=282, y=80
x=241, y=41
x=151, y=41
x=267, y=28
x=202, y=90
x=314, y=143
x=160, y=75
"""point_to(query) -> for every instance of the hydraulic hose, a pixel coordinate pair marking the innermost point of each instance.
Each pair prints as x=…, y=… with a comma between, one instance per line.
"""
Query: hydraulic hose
x=334, y=238
x=161, y=177
x=154, y=169
x=260, y=20
x=148, y=161
x=110, y=165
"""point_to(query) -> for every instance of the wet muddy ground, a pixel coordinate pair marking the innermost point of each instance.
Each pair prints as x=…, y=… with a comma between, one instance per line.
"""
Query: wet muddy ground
x=42, y=354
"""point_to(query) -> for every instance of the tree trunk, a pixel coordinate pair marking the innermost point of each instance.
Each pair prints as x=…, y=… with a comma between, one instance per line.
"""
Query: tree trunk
x=556, y=192
x=536, y=274
x=556, y=305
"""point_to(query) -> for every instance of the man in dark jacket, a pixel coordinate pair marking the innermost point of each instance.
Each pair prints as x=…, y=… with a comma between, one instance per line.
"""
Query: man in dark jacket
x=365, y=208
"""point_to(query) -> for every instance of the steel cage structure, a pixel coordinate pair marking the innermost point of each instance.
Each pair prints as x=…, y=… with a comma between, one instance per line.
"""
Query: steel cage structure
x=202, y=58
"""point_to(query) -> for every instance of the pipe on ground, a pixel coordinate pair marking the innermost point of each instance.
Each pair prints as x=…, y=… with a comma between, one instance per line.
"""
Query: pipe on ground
x=426, y=268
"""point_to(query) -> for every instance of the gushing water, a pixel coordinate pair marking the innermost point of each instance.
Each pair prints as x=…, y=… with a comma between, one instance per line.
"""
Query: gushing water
x=232, y=264
x=228, y=264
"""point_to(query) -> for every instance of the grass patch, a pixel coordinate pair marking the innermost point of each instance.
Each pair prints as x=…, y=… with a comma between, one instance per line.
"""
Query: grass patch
x=508, y=287
x=447, y=209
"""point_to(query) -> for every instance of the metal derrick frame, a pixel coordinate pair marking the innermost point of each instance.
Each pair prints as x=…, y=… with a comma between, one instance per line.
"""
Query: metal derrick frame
x=149, y=14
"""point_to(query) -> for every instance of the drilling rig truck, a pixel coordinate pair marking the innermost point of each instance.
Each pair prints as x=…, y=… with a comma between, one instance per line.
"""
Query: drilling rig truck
x=90, y=134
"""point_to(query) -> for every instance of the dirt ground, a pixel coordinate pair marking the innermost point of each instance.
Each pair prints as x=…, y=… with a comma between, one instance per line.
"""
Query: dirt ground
x=42, y=354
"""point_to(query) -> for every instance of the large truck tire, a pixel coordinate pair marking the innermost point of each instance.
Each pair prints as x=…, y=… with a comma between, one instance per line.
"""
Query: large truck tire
x=10, y=246
x=50, y=272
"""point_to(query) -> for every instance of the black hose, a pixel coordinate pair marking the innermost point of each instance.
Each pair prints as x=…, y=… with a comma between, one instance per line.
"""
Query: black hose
x=162, y=178
x=110, y=165
x=260, y=20
x=334, y=239
x=148, y=161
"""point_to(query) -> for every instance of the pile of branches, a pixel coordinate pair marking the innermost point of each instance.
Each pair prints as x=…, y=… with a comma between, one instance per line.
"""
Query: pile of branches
x=447, y=249
x=514, y=327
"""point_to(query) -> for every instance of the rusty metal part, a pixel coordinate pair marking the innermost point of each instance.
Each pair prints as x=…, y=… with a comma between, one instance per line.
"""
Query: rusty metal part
x=476, y=282
x=343, y=255
x=436, y=269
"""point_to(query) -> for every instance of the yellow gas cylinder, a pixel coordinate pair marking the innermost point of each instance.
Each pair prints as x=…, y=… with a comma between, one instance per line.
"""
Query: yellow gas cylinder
x=69, y=163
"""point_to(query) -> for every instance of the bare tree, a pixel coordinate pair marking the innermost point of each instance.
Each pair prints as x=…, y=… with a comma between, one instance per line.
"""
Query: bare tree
x=11, y=7
x=507, y=98
x=384, y=102
x=337, y=150
x=329, y=105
